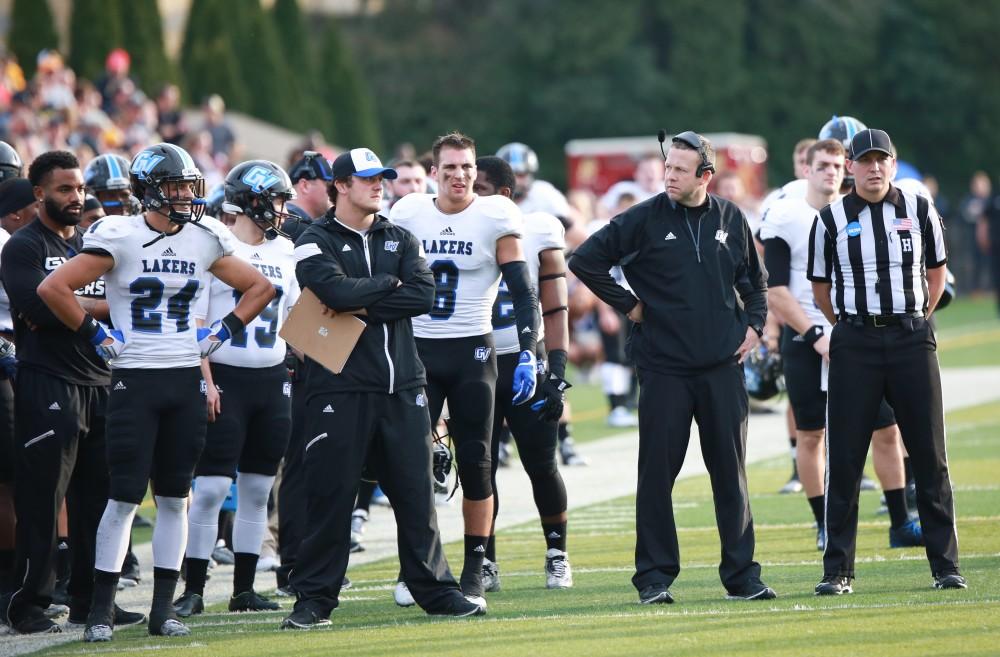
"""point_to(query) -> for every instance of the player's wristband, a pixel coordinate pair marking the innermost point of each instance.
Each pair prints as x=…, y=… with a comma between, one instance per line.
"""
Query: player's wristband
x=557, y=362
x=812, y=334
x=233, y=324
x=89, y=328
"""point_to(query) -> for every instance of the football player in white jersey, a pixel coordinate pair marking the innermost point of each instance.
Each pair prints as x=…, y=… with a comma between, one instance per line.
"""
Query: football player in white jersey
x=805, y=344
x=247, y=388
x=155, y=266
x=469, y=241
x=533, y=427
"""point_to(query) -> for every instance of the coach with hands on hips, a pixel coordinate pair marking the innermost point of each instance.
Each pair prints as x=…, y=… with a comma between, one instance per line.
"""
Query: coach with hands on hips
x=686, y=254
x=881, y=252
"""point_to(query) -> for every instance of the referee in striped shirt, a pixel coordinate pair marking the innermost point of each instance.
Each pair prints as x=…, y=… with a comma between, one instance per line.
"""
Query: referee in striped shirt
x=881, y=252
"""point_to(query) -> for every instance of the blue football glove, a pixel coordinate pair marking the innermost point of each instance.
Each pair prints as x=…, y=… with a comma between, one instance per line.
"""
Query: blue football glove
x=210, y=339
x=8, y=359
x=524, y=378
x=112, y=349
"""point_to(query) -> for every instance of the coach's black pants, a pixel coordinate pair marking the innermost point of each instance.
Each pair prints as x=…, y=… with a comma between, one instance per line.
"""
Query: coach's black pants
x=901, y=363
x=717, y=400
x=61, y=453
x=293, y=517
x=394, y=431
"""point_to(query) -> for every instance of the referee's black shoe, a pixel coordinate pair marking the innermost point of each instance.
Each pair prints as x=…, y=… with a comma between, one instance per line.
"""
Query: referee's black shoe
x=304, y=618
x=458, y=606
x=950, y=581
x=754, y=589
x=189, y=604
x=834, y=585
x=656, y=594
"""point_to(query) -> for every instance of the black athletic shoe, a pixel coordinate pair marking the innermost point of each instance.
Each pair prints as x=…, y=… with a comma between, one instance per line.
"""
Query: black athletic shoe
x=950, y=581
x=130, y=569
x=189, y=604
x=251, y=601
x=303, y=619
x=459, y=607
x=656, y=594
x=287, y=591
x=36, y=624
x=834, y=585
x=753, y=590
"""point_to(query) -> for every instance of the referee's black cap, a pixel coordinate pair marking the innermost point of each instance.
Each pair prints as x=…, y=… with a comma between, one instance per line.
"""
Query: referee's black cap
x=870, y=140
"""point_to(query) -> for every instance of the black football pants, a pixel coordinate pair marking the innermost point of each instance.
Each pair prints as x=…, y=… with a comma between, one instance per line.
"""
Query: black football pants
x=717, y=400
x=343, y=429
x=901, y=363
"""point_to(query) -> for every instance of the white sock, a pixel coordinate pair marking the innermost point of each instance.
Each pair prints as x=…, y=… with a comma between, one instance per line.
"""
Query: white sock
x=203, y=518
x=250, y=526
x=616, y=379
x=112, y=536
x=170, y=532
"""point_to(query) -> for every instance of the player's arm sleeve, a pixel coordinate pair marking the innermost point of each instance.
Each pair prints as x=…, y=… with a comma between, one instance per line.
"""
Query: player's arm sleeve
x=777, y=261
x=415, y=296
x=522, y=294
x=819, y=267
x=322, y=273
x=935, y=254
x=751, y=280
x=22, y=269
x=606, y=248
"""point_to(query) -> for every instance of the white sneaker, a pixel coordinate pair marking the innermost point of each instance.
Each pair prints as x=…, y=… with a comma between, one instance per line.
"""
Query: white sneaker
x=267, y=564
x=558, y=573
x=358, y=520
x=402, y=595
x=620, y=418
x=491, y=576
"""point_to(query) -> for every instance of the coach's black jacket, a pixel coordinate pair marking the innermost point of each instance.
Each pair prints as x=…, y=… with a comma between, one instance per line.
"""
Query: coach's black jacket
x=383, y=272
x=684, y=264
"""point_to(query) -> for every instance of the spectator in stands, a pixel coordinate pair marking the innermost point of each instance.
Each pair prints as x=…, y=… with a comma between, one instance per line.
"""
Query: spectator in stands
x=170, y=120
x=975, y=266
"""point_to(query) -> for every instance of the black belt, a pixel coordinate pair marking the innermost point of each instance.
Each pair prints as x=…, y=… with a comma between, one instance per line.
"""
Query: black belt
x=878, y=321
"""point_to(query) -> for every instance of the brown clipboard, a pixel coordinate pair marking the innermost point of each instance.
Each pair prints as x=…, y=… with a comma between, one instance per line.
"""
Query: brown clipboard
x=327, y=340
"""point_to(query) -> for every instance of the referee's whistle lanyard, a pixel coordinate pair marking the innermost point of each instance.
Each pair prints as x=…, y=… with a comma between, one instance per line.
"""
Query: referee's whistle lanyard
x=694, y=238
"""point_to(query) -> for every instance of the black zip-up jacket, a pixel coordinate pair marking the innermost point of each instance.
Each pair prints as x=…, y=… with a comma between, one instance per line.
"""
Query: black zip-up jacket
x=686, y=265
x=383, y=272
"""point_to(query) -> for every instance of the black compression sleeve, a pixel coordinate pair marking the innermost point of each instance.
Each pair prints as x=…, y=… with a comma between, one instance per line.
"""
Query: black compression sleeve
x=515, y=274
x=557, y=362
x=777, y=261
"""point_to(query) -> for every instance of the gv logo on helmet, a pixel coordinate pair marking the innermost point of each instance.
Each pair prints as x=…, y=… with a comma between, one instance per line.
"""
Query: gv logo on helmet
x=260, y=178
x=144, y=162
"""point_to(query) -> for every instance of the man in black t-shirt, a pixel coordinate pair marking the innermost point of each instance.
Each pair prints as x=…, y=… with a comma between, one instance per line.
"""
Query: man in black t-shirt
x=60, y=399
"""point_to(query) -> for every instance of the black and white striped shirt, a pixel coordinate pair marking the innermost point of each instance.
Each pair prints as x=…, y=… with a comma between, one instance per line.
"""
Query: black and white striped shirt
x=875, y=253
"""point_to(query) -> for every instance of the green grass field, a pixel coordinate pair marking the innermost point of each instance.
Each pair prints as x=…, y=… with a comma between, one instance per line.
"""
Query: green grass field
x=894, y=612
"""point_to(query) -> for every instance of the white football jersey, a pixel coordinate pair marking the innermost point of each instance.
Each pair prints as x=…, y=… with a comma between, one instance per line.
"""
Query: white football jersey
x=154, y=285
x=794, y=189
x=461, y=250
x=542, y=196
x=542, y=232
x=6, y=323
x=259, y=345
x=790, y=219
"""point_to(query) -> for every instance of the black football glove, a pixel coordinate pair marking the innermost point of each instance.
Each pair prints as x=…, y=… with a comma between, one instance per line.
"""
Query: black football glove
x=553, y=391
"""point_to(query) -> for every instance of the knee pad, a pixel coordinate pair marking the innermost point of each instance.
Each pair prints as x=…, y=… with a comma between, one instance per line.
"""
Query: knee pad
x=541, y=470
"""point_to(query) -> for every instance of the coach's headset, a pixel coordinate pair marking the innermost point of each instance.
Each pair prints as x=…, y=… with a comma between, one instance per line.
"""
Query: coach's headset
x=692, y=139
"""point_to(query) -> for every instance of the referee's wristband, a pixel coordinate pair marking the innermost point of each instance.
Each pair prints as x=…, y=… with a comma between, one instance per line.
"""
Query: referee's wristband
x=89, y=328
x=233, y=324
x=812, y=334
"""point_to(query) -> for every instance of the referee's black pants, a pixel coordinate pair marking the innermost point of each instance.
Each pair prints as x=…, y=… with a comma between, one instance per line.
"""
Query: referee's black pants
x=717, y=400
x=293, y=517
x=901, y=363
x=394, y=432
x=61, y=452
